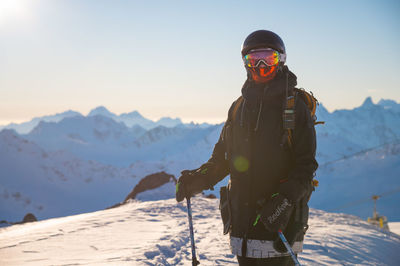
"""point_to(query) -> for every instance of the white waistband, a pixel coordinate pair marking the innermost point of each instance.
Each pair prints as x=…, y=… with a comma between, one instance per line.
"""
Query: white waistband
x=260, y=248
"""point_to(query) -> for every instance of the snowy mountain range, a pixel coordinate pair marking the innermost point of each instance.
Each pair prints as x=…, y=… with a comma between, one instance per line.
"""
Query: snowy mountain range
x=51, y=184
x=26, y=127
x=129, y=119
x=350, y=131
x=105, y=140
x=69, y=163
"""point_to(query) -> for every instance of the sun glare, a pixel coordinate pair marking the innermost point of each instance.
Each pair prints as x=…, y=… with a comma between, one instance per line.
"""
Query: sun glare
x=12, y=9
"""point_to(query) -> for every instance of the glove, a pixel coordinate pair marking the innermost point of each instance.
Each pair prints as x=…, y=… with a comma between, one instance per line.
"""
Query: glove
x=275, y=213
x=189, y=184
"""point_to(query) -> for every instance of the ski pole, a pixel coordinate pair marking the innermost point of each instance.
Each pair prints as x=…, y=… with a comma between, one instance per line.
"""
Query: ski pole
x=195, y=262
x=285, y=242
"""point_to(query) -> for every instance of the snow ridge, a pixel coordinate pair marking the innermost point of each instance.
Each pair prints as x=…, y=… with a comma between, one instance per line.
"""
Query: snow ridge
x=156, y=233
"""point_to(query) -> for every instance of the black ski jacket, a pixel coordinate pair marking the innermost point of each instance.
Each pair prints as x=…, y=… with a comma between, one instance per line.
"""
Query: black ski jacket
x=252, y=149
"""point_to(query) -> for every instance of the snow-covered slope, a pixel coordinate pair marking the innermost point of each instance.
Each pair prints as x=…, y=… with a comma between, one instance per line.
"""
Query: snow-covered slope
x=395, y=227
x=53, y=184
x=57, y=183
x=347, y=185
x=87, y=131
x=96, y=137
x=156, y=233
x=103, y=139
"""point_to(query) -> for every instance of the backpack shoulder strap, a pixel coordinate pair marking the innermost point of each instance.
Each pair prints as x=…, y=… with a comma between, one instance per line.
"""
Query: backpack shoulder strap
x=235, y=106
x=289, y=118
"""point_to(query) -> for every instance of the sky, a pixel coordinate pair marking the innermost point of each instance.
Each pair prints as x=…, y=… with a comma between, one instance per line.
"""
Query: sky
x=182, y=58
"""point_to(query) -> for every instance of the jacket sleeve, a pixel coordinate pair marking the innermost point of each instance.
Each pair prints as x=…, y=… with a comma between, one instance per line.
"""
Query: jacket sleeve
x=217, y=167
x=304, y=148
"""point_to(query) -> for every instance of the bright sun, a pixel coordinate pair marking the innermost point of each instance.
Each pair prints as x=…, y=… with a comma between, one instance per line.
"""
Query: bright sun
x=11, y=9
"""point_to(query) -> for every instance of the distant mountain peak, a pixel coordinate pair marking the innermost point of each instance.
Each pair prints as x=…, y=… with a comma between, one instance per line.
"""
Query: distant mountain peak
x=322, y=108
x=133, y=114
x=166, y=118
x=387, y=101
x=169, y=122
x=368, y=102
x=101, y=110
x=389, y=105
x=69, y=113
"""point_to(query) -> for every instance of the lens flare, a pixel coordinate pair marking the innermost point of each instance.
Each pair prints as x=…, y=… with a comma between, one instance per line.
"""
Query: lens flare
x=12, y=9
x=241, y=164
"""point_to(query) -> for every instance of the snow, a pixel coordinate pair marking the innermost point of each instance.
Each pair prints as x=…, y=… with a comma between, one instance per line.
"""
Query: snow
x=389, y=104
x=347, y=185
x=348, y=131
x=71, y=164
x=101, y=110
x=156, y=233
x=395, y=227
x=56, y=183
x=169, y=122
x=26, y=127
x=105, y=140
x=129, y=119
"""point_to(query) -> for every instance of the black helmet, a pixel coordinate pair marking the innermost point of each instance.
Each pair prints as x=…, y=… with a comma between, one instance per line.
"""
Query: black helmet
x=262, y=39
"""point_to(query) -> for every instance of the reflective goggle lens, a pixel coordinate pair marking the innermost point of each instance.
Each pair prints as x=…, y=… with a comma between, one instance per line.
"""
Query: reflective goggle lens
x=268, y=56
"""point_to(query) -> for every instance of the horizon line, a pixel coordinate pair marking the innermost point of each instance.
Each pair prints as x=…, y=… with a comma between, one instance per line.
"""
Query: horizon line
x=209, y=120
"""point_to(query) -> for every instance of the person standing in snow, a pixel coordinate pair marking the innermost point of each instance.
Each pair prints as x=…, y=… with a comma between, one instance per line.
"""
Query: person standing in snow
x=270, y=179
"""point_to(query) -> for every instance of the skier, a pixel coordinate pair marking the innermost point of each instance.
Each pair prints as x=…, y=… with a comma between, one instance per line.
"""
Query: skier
x=270, y=172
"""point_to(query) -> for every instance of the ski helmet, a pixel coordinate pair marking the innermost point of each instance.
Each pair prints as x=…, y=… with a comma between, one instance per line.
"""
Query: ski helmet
x=263, y=39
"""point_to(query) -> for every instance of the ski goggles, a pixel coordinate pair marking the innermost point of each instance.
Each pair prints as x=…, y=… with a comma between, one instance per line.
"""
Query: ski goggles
x=268, y=56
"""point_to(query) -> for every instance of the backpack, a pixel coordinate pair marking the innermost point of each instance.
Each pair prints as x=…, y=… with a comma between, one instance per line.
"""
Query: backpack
x=289, y=114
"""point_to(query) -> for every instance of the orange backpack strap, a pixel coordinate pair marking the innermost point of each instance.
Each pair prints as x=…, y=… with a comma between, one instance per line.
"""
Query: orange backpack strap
x=311, y=103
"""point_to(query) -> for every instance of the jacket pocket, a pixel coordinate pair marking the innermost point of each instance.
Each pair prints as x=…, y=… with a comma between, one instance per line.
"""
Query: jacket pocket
x=225, y=209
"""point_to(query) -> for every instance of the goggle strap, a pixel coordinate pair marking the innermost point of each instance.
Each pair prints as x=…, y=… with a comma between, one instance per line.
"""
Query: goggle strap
x=282, y=57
